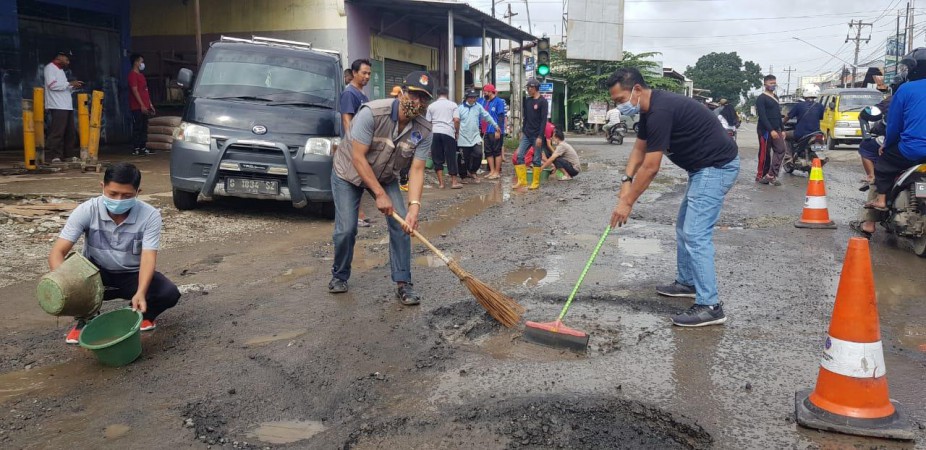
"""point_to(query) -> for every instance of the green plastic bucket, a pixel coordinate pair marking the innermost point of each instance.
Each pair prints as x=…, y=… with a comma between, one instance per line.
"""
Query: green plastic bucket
x=74, y=289
x=544, y=175
x=114, y=337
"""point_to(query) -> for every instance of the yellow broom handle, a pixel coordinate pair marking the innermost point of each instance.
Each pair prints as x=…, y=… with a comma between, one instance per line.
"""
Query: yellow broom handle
x=421, y=238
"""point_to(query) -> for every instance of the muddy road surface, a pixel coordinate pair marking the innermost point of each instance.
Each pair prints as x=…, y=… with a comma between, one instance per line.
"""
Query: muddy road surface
x=258, y=354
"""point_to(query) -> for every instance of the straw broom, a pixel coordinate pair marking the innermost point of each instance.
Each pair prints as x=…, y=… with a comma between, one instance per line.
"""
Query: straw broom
x=503, y=308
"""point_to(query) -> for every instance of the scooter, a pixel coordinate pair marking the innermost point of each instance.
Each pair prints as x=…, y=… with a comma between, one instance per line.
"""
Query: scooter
x=804, y=151
x=906, y=201
x=616, y=134
x=578, y=124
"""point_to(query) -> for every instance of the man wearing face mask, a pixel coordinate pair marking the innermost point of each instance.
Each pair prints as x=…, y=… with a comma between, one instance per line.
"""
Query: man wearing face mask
x=385, y=136
x=534, y=114
x=469, y=137
x=121, y=237
x=62, y=135
x=771, y=134
x=687, y=133
x=140, y=105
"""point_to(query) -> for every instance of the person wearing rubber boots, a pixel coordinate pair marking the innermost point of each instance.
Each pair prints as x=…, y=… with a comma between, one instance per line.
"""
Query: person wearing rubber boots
x=122, y=236
x=682, y=129
x=534, y=114
x=386, y=136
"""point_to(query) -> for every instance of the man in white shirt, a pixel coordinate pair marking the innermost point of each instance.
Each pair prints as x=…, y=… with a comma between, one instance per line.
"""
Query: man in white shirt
x=613, y=118
x=445, y=127
x=62, y=135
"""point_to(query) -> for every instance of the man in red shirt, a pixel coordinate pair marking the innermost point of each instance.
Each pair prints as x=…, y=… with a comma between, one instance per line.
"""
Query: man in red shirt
x=140, y=105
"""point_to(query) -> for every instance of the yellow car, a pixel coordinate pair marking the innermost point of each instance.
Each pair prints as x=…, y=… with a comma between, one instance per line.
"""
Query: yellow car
x=840, y=117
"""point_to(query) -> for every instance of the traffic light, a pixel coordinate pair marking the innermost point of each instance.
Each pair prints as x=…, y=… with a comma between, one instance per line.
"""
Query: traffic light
x=543, y=57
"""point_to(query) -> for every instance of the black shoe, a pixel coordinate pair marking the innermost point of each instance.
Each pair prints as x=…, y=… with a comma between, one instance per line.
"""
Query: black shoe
x=701, y=315
x=406, y=295
x=676, y=289
x=337, y=286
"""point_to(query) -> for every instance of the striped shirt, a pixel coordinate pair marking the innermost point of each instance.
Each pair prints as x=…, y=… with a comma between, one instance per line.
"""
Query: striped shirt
x=114, y=248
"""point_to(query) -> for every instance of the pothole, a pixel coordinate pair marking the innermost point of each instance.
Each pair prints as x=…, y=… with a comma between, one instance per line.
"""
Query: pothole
x=548, y=422
x=286, y=432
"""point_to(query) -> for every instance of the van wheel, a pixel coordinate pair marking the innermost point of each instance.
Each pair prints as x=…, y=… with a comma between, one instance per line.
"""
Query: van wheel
x=184, y=200
x=830, y=142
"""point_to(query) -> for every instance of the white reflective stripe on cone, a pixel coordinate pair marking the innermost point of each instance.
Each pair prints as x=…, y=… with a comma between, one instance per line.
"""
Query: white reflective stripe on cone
x=853, y=359
x=815, y=202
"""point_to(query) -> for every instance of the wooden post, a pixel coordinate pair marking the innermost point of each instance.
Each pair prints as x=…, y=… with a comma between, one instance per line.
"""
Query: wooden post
x=38, y=118
x=28, y=135
x=83, y=125
x=96, y=118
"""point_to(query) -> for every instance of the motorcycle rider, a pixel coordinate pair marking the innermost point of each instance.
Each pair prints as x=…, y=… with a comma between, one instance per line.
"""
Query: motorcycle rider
x=613, y=119
x=905, y=141
x=868, y=148
x=809, y=113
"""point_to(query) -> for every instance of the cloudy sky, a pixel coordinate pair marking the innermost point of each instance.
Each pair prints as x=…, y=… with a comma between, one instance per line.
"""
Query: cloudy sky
x=760, y=31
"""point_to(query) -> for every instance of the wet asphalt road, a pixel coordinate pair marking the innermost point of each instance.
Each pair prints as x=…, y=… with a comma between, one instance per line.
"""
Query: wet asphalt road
x=259, y=352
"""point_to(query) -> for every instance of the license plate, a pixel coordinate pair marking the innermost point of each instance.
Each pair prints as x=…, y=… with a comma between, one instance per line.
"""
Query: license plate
x=250, y=186
x=921, y=190
x=858, y=132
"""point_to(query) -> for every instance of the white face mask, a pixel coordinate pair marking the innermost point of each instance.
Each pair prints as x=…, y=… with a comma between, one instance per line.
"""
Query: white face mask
x=141, y=67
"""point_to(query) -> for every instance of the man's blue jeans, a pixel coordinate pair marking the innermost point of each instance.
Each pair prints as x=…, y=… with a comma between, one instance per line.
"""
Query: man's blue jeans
x=526, y=142
x=694, y=231
x=346, y=211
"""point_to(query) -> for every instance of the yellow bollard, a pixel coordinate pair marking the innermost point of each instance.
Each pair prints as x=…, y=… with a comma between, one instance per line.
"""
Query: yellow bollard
x=96, y=119
x=28, y=135
x=83, y=125
x=38, y=116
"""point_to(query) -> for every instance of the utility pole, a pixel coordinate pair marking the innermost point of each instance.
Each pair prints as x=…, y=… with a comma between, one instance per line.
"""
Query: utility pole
x=897, y=45
x=911, y=11
x=528, y=8
x=513, y=85
x=198, y=32
x=492, y=73
x=858, y=41
x=788, y=86
x=771, y=69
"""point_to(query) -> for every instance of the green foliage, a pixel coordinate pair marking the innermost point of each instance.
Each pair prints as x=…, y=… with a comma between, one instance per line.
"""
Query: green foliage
x=586, y=78
x=725, y=75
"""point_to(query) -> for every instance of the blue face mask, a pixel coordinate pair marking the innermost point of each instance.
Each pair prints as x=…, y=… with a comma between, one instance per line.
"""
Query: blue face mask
x=771, y=88
x=627, y=108
x=119, y=206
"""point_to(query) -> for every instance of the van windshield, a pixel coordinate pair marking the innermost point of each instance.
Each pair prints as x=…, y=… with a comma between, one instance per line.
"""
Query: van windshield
x=857, y=102
x=270, y=77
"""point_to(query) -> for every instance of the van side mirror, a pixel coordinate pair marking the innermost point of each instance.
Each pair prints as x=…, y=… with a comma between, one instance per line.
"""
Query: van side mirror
x=185, y=78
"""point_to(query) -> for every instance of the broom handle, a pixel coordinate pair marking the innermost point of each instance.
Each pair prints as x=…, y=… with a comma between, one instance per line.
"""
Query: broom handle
x=584, y=271
x=421, y=238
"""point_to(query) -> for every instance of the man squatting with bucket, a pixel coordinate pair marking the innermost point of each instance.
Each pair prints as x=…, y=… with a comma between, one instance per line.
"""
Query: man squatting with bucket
x=121, y=237
x=386, y=136
x=687, y=133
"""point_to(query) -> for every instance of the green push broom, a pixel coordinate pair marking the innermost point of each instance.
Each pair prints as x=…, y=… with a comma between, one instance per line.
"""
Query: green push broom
x=556, y=334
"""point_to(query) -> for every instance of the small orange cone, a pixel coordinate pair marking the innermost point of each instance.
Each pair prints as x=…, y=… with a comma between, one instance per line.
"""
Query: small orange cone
x=851, y=394
x=815, y=214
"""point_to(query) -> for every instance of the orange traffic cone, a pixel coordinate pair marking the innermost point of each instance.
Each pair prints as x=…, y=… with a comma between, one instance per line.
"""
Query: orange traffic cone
x=851, y=393
x=815, y=214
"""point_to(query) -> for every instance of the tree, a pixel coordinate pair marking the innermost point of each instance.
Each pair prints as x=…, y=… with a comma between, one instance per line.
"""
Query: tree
x=725, y=75
x=586, y=78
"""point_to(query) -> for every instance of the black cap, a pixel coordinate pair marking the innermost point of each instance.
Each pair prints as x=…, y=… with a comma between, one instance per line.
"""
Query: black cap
x=471, y=93
x=65, y=53
x=420, y=81
x=533, y=83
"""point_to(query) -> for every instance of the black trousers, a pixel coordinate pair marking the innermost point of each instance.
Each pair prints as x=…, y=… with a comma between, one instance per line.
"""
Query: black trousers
x=139, y=129
x=889, y=166
x=470, y=160
x=162, y=293
x=62, y=135
x=566, y=166
x=444, y=150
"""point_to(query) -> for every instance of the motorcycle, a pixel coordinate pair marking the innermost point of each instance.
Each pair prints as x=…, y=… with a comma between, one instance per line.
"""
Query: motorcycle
x=616, y=134
x=906, y=201
x=804, y=151
x=578, y=124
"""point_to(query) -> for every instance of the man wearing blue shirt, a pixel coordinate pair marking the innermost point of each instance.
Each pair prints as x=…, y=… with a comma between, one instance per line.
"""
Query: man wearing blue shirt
x=905, y=142
x=469, y=137
x=493, y=145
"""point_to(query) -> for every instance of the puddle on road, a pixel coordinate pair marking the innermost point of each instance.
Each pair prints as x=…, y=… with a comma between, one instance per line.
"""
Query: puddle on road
x=452, y=216
x=429, y=261
x=286, y=432
x=517, y=347
x=526, y=276
x=900, y=294
x=290, y=275
x=638, y=247
x=261, y=340
x=115, y=431
x=45, y=380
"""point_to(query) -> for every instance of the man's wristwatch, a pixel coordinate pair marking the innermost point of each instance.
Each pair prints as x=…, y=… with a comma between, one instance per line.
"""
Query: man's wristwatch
x=626, y=178
x=414, y=202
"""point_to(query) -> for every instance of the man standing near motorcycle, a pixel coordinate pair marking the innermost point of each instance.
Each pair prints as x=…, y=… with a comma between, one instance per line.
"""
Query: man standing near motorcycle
x=771, y=134
x=905, y=142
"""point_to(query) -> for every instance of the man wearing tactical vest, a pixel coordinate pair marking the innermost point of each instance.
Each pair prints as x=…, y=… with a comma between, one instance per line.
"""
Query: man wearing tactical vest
x=386, y=136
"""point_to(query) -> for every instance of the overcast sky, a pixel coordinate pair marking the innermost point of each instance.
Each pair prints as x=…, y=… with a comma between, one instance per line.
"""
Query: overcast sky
x=760, y=31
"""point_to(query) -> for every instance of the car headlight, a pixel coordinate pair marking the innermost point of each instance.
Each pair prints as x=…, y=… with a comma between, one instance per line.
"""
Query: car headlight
x=845, y=125
x=320, y=146
x=194, y=134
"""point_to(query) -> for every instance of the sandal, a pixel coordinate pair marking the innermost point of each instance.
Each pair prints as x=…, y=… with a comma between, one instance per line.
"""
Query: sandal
x=856, y=226
x=876, y=208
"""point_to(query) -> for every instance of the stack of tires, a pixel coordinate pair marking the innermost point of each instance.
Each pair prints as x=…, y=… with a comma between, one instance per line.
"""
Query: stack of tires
x=161, y=132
